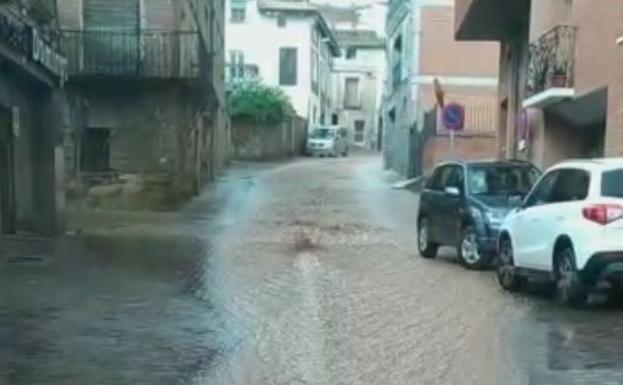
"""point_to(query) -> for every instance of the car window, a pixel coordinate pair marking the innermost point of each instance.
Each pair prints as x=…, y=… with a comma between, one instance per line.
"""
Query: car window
x=501, y=180
x=455, y=178
x=612, y=184
x=540, y=193
x=571, y=185
x=560, y=186
x=448, y=176
x=434, y=182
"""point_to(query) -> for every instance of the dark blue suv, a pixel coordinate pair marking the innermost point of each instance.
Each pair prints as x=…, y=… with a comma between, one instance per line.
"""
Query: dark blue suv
x=464, y=203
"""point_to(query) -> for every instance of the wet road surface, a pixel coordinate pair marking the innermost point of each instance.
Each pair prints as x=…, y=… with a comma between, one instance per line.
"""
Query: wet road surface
x=298, y=273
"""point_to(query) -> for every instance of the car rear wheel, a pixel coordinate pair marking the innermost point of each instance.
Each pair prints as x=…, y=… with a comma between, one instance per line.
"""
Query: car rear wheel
x=570, y=287
x=469, y=251
x=508, y=276
x=427, y=248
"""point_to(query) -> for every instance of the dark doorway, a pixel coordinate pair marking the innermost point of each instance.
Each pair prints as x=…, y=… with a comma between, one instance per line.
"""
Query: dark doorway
x=8, y=207
x=95, y=150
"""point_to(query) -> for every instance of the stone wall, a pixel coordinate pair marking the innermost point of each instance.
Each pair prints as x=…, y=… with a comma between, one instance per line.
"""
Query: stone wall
x=263, y=142
x=34, y=108
x=165, y=142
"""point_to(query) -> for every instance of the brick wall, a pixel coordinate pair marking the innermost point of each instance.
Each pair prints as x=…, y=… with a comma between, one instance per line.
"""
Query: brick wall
x=466, y=148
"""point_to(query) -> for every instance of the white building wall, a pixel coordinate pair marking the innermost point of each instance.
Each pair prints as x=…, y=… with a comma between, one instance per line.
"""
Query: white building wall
x=369, y=67
x=260, y=38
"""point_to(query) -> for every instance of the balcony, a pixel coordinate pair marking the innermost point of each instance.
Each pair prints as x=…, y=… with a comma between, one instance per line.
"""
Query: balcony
x=241, y=72
x=551, y=68
x=31, y=48
x=139, y=54
x=491, y=20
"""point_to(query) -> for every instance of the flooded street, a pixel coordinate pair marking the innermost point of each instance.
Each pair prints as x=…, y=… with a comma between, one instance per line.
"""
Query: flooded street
x=298, y=273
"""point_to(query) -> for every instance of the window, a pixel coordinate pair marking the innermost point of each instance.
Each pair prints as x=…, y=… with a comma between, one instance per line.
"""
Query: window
x=238, y=11
x=236, y=63
x=453, y=177
x=359, y=130
x=314, y=71
x=335, y=120
x=435, y=182
x=95, y=150
x=501, y=180
x=559, y=186
x=351, y=53
x=571, y=185
x=287, y=66
x=281, y=20
x=612, y=184
x=351, y=93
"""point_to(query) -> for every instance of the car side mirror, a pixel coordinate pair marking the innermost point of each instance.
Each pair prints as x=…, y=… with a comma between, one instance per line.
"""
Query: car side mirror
x=452, y=191
x=516, y=202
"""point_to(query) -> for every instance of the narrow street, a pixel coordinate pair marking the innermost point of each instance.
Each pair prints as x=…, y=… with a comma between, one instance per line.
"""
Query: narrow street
x=294, y=273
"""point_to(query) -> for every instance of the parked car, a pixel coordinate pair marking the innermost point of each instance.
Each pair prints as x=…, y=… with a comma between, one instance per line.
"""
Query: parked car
x=328, y=141
x=568, y=230
x=464, y=203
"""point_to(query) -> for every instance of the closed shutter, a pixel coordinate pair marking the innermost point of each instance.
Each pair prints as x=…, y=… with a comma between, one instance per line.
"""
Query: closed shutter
x=111, y=14
x=111, y=43
x=159, y=14
x=69, y=14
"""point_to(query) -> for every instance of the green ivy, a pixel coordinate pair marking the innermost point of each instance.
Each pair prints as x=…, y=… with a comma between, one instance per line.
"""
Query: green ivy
x=254, y=102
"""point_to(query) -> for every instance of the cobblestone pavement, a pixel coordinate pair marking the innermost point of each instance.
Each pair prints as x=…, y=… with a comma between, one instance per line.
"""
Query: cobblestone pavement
x=320, y=283
x=290, y=274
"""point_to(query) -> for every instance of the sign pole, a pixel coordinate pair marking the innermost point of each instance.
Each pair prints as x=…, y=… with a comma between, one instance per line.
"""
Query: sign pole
x=452, y=155
x=453, y=118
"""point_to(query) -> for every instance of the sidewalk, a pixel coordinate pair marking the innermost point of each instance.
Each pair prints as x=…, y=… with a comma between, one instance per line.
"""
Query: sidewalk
x=121, y=299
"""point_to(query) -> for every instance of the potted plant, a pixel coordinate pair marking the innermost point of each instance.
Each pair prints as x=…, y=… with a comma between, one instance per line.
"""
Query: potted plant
x=559, y=77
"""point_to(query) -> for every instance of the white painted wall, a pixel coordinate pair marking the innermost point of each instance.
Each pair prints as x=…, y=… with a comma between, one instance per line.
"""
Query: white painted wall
x=370, y=68
x=260, y=38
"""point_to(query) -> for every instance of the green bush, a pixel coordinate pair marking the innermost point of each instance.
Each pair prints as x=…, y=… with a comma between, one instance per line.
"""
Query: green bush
x=253, y=102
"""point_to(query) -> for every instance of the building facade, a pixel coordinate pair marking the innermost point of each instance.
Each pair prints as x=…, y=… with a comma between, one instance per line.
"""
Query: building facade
x=32, y=70
x=421, y=48
x=560, y=94
x=359, y=76
x=147, y=94
x=285, y=44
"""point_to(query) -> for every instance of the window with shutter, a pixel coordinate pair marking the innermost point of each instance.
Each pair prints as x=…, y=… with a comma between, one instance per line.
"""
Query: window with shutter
x=288, y=66
x=351, y=93
x=111, y=40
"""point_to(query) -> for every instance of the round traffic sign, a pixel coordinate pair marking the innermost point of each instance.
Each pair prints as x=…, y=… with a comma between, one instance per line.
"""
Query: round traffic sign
x=453, y=117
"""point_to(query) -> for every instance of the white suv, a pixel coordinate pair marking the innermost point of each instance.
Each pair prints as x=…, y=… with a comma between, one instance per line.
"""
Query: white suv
x=569, y=230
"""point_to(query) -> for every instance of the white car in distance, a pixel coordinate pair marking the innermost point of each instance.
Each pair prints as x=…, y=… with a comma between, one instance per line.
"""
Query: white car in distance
x=568, y=230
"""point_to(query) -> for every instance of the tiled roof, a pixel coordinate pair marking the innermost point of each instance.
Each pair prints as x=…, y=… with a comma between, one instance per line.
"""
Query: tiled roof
x=305, y=7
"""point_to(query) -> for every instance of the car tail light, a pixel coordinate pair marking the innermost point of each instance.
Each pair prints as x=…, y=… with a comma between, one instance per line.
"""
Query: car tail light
x=603, y=213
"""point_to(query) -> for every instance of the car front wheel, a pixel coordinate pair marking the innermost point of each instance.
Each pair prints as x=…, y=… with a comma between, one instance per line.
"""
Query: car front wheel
x=426, y=247
x=469, y=251
x=507, y=273
x=570, y=287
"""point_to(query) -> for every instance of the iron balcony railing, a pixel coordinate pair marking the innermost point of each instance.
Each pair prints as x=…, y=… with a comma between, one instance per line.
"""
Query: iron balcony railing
x=146, y=53
x=552, y=61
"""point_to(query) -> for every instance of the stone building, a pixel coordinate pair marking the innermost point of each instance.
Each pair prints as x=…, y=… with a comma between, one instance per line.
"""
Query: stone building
x=32, y=70
x=561, y=85
x=146, y=88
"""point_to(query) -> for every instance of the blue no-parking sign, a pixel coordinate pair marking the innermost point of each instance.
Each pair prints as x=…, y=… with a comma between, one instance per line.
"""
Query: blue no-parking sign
x=453, y=117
